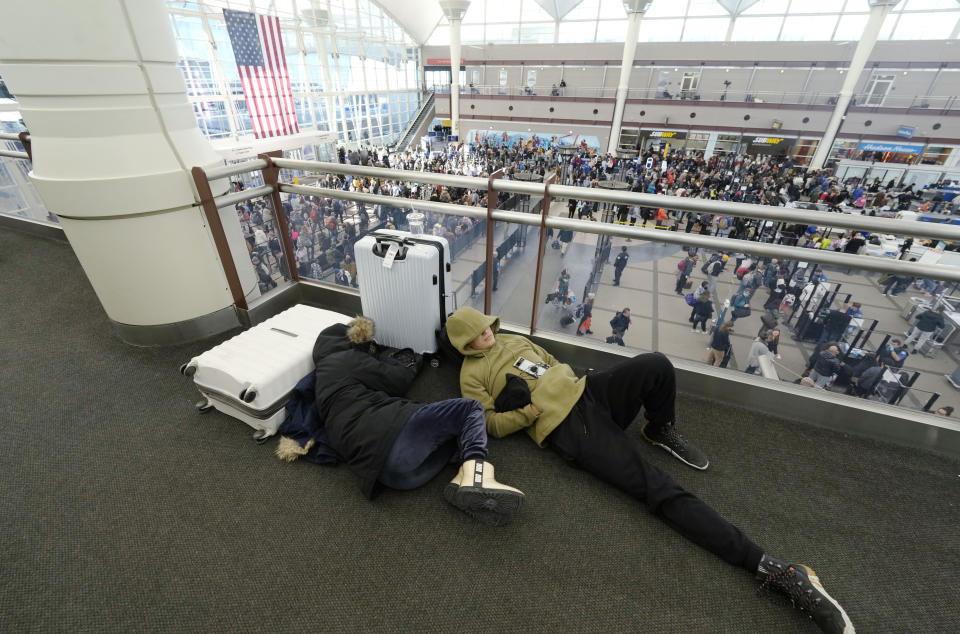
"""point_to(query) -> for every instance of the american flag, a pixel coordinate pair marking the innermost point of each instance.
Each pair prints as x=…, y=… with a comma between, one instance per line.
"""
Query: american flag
x=258, y=47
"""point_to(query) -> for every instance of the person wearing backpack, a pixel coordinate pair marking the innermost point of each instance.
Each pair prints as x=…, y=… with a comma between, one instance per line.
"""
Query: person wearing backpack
x=723, y=226
x=565, y=237
x=684, y=269
x=702, y=311
x=619, y=324
x=714, y=273
x=619, y=264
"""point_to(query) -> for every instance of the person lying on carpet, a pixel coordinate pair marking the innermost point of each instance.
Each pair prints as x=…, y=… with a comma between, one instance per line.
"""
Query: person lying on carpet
x=351, y=409
x=584, y=420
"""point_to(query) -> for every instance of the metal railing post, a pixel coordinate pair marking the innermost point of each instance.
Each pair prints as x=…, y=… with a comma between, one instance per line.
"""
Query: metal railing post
x=219, y=237
x=271, y=176
x=541, y=248
x=870, y=332
x=491, y=207
x=931, y=401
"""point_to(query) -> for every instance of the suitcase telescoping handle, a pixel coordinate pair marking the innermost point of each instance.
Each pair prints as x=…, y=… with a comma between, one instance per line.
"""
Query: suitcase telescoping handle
x=385, y=242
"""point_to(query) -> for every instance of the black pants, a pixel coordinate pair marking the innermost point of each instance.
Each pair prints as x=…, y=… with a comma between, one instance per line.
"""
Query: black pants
x=593, y=438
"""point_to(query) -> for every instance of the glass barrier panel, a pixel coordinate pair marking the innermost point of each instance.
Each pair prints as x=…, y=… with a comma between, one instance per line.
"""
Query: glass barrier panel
x=728, y=309
x=261, y=235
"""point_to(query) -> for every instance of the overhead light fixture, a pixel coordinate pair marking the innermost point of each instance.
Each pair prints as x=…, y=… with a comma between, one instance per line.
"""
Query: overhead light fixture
x=728, y=70
x=781, y=70
x=904, y=72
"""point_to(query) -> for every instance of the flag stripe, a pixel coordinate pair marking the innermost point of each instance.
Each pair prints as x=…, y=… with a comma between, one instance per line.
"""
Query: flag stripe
x=284, y=77
x=269, y=82
x=258, y=48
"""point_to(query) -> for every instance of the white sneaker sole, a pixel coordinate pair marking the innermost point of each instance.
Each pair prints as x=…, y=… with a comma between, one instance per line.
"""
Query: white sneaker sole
x=675, y=454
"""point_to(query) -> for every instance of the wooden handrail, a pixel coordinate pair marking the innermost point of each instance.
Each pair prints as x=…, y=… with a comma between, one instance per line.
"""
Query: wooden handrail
x=219, y=236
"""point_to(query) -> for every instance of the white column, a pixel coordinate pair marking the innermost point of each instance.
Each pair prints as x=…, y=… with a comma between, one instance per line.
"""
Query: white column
x=635, y=12
x=454, y=10
x=114, y=138
x=455, y=77
x=878, y=12
x=711, y=145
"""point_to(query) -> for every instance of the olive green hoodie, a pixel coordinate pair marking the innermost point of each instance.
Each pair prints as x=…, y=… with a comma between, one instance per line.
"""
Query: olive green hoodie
x=484, y=374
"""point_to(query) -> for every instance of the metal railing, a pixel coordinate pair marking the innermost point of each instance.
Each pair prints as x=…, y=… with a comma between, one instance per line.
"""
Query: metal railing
x=496, y=186
x=23, y=139
x=550, y=190
x=932, y=102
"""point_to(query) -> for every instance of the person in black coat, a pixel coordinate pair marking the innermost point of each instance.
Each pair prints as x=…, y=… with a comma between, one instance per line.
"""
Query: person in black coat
x=702, y=311
x=928, y=322
x=392, y=441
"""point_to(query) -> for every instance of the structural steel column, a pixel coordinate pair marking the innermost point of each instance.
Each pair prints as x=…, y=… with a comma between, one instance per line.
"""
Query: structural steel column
x=635, y=10
x=455, y=10
x=878, y=12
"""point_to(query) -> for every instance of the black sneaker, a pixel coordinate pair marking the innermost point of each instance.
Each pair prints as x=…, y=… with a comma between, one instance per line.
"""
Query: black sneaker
x=801, y=585
x=670, y=439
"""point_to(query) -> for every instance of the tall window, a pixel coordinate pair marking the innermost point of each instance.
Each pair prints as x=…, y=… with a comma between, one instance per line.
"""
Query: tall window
x=347, y=62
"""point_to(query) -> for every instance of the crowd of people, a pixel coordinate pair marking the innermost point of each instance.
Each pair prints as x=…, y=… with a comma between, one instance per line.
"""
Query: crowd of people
x=324, y=230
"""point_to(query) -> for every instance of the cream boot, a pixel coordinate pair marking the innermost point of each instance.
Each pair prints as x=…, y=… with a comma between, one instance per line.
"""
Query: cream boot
x=475, y=491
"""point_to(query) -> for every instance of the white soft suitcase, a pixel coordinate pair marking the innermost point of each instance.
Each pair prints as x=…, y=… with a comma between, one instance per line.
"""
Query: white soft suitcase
x=410, y=299
x=250, y=376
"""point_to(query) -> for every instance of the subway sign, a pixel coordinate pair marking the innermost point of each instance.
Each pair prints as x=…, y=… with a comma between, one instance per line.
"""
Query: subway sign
x=767, y=140
x=664, y=134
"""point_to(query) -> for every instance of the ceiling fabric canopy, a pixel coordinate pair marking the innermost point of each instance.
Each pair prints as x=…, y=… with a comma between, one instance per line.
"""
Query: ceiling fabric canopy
x=417, y=18
x=558, y=9
x=736, y=7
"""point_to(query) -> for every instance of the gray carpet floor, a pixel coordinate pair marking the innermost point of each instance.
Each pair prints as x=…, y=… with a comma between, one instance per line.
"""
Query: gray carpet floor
x=122, y=509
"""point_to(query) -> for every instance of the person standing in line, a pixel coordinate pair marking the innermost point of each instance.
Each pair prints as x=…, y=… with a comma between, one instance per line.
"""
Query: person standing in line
x=740, y=305
x=928, y=322
x=714, y=274
x=584, y=421
x=702, y=311
x=719, y=344
x=827, y=364
x=619, y=264
x=760, y=347
x=583, y=328
x=684, y=269
x=565, y=237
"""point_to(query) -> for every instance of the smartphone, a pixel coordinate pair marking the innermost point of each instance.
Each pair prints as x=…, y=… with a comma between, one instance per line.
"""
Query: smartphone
x=536, y=370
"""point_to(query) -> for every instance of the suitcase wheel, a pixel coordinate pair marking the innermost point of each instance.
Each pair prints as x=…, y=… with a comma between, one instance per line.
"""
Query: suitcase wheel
x=188, y=370
x=248, y=395
x=260, y=436
x=204, y=406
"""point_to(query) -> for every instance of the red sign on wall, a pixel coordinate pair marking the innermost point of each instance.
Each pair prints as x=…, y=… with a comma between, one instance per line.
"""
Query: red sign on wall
x=440, y=61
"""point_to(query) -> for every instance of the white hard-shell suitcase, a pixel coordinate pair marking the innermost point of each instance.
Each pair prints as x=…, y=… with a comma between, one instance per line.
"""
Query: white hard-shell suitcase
x=407, y=295
x=250, y=376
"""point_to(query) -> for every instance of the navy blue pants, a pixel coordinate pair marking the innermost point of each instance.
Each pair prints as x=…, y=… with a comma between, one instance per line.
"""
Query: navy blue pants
x=435, y=435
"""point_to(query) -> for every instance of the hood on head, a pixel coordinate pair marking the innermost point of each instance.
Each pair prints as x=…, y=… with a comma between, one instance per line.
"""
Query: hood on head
x=465, y=325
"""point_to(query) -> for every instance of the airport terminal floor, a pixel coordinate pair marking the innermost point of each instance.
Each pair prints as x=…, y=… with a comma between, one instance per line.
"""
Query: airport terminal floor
x=124, y=509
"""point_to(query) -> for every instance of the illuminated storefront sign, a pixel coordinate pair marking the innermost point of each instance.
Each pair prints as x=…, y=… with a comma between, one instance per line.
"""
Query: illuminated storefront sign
x=667, y=134
x=898, y=148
